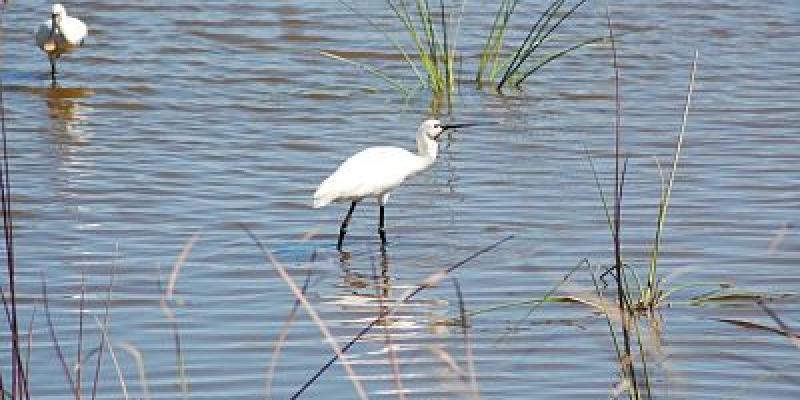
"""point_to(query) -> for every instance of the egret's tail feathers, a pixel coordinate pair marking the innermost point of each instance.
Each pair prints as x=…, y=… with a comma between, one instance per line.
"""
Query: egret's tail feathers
x=321, y=202
x=322, y=199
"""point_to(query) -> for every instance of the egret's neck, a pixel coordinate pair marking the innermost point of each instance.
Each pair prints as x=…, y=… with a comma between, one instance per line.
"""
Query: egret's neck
x=58, y=19
x=427, y=148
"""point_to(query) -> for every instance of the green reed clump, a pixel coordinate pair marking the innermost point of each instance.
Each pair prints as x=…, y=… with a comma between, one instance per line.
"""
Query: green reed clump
x=434, y=32
x=627, y=336
x=525, y=60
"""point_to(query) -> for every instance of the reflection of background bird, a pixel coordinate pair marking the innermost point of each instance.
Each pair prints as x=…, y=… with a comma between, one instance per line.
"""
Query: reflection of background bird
x=67, y=113
x=58, y=35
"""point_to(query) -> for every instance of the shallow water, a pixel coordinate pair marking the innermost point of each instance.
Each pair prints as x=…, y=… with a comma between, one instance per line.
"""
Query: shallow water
x=177, y=120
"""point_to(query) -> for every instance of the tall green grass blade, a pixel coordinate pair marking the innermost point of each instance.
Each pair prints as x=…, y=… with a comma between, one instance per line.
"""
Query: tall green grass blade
x=369, y=68
x=547, y=295
x=680, y=288
x=457, y=34
x=600, y=190
x=447, y=62
x=533, y=303
x=667, y=192
x=389, y=37
x=542, y=34
x=627, y=369
x=531, y=38
x=403, y=14
x=495, y=39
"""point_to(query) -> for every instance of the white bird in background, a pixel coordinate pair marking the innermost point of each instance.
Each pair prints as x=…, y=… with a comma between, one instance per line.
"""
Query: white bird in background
x=375, y=171
x=58, y=35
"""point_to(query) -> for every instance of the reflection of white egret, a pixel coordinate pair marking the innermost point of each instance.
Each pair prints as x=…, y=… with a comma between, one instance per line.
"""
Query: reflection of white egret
x=58, y=35
x=376, y=171
x=67, y=112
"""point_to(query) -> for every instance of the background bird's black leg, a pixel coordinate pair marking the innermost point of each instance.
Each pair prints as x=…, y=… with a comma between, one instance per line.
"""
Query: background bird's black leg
x=343, y=229
x=382, y=230
x=53, y=70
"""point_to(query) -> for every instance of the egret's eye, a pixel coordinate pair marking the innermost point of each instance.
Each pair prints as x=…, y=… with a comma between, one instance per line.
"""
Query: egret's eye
x=437, y=126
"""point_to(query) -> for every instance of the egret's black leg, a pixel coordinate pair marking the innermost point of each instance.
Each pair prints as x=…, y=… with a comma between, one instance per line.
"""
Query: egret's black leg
x=343, y=229
x=382, y=230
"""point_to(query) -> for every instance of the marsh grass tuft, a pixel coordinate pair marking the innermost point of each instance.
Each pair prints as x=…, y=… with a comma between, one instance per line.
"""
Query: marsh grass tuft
x=429, y=35
x=524, y=61
x=433, y=28
x=633, y=297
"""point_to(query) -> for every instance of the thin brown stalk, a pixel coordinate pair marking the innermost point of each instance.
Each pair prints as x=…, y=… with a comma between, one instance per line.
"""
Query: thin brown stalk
x=30, y=339
x=105, y=324
x=311, y=312
x=451, y=363
x=79, y=357
x=778, y=238
x=628, y=370
x=19, y=384
x=166, y=300
x=281, y=339
x=382, y=289
x=431, y=281
x=113, y=355
x=137, y=356
x=473, y=381
x=787, y=330
x=176, y=268
x=535, y=304
x=54, y=337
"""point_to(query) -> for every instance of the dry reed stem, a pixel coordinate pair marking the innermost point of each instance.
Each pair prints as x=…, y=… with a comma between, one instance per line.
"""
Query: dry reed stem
x=430, y=281
x=298, y=294
x=137, y=356
x=30, y=339
x=281, y=339
x=787, y=330
x=167, y=298
x=176, y=268
x=113, y=354
x=379, y=288
x=106, y=317
x=54, y=337
x=779, y=238
x=79, y=357
x=451, y=363
x=473, y=381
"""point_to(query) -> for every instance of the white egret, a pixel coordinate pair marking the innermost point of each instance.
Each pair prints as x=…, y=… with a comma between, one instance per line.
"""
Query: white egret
x=58, y=35
x=375, y=171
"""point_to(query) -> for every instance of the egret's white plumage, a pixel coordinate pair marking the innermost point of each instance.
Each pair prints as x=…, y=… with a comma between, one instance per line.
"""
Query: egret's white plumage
x=59, y=34
x=375, y=171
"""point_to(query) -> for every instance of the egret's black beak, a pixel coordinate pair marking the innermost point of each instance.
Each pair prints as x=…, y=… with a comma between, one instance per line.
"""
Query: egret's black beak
x=445, y=127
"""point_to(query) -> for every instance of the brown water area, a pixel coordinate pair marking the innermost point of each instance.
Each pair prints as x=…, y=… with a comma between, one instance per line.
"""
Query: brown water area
x=179, y=119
